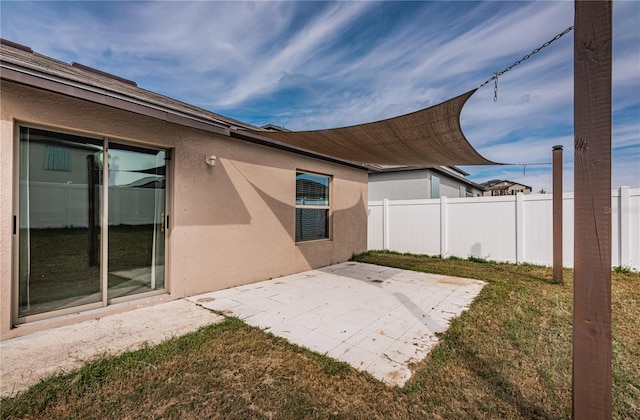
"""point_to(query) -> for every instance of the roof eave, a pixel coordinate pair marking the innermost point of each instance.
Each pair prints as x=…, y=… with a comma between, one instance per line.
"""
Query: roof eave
x=33, y=78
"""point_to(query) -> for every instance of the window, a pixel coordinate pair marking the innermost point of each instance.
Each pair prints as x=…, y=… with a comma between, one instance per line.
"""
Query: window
x=312, y=206
x=514, y=192
x=435, y=187
x=463, y=191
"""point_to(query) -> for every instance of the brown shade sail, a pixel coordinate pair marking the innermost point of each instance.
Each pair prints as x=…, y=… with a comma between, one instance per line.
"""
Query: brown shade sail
x=431, y=136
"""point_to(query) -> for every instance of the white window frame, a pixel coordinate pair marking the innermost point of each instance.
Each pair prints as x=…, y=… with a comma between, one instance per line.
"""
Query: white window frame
x=326, y=207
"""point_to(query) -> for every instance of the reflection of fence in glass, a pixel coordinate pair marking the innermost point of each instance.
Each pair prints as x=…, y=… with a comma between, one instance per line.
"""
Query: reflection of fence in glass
x=57, y=205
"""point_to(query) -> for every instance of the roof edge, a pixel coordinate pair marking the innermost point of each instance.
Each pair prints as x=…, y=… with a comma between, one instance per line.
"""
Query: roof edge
x=101, y=97
x=27, y=76
x=438, y=169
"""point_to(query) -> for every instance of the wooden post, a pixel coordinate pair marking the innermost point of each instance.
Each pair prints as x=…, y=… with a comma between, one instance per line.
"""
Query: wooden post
x=557, y=214
x=592, y=246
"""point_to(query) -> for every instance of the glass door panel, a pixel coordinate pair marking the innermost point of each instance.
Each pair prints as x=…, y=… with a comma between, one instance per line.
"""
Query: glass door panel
x=59, y=221
x=136, y=220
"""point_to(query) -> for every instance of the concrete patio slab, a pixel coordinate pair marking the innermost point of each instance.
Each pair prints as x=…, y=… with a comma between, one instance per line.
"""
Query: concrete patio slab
x=377, y=319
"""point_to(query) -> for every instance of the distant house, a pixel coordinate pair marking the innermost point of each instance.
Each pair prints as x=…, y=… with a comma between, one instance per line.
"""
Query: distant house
x=504, y=187
x=420, y=182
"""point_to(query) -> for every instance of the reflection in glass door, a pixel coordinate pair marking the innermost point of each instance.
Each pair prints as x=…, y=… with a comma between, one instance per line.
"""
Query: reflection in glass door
x=136, y=220
x=59, y=220
x=80, y=246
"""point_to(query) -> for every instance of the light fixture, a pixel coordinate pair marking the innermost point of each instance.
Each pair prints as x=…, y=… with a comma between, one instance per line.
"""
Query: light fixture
x=211, y=160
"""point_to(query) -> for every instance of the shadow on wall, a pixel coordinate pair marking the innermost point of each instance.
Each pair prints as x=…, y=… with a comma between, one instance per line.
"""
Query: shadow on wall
x=285, y=212
x=220, y=195
x=212, y=199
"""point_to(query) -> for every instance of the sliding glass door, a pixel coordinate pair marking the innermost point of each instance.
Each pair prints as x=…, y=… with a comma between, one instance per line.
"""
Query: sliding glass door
x=81, y=245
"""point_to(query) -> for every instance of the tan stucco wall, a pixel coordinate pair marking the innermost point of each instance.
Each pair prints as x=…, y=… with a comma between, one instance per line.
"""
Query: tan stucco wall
x=231, y=224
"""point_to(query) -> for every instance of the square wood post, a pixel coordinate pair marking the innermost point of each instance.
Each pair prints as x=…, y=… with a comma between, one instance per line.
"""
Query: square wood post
x=557, y=214
x=592, y=188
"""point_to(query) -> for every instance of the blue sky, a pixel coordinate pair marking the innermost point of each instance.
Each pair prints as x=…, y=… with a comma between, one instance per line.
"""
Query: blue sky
x=313, y=65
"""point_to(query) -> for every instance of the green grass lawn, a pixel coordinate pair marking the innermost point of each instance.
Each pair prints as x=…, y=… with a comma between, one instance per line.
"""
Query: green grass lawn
x=508, y=356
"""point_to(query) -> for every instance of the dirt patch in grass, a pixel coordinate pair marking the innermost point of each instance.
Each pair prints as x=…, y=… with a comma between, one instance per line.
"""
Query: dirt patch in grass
x=508, y=356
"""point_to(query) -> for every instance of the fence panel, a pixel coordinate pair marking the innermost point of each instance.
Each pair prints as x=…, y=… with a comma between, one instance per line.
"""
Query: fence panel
x=633, y=259
x=538, y=228
x=375, y=226
x=482, y=227
x=509, y=228
x=414, y=226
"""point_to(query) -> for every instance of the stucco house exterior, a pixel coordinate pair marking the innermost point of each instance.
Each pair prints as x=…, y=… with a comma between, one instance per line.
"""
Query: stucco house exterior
x=112, y=197
x=419, y=182
x=497, y=187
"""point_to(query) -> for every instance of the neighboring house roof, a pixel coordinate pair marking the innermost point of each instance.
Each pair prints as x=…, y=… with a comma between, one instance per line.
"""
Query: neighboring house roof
x=490, y=183
x=396, y=168
x=450, y=171
x=19, y=64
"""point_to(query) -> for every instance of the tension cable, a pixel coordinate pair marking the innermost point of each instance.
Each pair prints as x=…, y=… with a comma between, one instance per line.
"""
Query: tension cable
x=526, y=57
x=524, y=166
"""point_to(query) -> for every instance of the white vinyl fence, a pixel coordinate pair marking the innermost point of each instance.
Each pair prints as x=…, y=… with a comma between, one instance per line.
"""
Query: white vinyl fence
x=513, y=229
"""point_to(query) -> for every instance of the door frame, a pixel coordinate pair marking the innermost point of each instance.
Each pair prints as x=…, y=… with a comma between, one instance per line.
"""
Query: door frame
x=104, y=238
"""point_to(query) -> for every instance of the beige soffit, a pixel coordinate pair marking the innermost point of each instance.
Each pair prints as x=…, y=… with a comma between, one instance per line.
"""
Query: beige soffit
x=431, y=136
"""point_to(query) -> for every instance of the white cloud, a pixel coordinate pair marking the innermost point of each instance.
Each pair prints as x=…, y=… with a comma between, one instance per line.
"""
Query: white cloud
x=318, y=65
x=295, y=52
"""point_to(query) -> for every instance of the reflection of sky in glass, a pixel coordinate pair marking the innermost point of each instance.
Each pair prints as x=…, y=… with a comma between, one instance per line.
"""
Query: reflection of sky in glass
x=125, y=166
x=312, y=190
x=321, y=179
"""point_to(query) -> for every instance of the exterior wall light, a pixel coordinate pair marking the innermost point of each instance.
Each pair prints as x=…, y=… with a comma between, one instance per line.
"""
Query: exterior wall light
x=211, y=160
